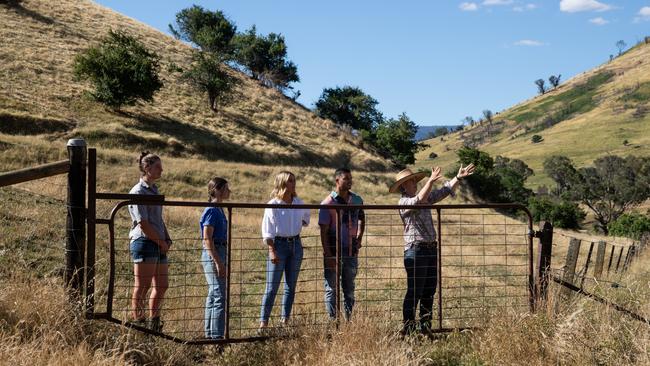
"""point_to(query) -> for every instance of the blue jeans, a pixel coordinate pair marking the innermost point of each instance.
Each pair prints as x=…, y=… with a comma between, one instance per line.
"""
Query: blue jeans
x=348, y=272
x=421, y=267
x=289, y=254
x=215, y=302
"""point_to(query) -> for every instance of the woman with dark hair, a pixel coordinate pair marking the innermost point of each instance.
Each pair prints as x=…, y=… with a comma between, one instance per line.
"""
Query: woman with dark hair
x=150, y=242
x=214, y=234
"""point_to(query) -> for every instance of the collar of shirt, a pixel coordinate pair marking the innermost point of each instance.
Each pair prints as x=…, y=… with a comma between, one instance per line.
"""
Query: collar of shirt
x=352, y=198
x=146, y=185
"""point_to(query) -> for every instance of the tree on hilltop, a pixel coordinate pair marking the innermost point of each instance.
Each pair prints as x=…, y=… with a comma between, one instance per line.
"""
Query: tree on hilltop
x=211, y=31
x=541, y=88
x=621, y=46
x=265, y=58
x=554, y=80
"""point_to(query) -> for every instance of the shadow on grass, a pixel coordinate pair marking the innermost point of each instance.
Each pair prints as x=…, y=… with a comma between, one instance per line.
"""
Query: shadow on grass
x=28, y=125
x=22, y=11
x=192, y=139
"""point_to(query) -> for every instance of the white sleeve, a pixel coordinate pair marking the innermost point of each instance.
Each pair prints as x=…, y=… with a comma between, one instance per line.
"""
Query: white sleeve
x=268, y=224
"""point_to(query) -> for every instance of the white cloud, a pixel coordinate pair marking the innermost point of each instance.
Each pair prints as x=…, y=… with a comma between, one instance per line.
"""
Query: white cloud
x=520, y=8
x=468, y=6
x=497, y=2
x=574, y=6
x=529, y=43
x=598, y=21
x=643, y=14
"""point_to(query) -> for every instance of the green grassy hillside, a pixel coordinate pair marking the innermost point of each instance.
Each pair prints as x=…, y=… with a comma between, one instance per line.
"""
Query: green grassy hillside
x=599, y=112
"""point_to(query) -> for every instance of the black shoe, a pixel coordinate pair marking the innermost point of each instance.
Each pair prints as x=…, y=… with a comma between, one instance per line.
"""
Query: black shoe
x=155, y=324
x=142, y=323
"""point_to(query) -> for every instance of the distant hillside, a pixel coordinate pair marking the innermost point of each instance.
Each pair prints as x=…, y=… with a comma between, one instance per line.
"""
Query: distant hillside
x=424, y=131
x=602, y=111
x=39, y=97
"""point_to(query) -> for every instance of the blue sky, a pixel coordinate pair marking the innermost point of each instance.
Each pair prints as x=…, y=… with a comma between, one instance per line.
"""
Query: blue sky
x=438, y=61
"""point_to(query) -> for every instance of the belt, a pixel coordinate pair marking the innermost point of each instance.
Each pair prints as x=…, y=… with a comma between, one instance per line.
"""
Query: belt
x=287, y=238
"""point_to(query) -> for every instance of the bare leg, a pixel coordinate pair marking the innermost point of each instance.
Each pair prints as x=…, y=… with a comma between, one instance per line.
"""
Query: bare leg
x=143, y=273
x=160, y=285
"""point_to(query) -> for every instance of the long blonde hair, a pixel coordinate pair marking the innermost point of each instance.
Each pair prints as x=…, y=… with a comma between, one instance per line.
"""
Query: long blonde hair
x=280, y=185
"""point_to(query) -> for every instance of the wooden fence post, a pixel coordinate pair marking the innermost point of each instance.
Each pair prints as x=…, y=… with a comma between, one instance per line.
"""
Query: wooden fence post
x=600, y=260
x=611, y=256
x=545, y=235
x=76, y=216
x=570, y=265
x=618, y=262
x=584, y=274
x=628, y=257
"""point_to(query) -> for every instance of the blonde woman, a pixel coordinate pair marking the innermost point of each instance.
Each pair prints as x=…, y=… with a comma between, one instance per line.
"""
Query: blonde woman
x=281, y=233
x=149, y=245
x=214, y=234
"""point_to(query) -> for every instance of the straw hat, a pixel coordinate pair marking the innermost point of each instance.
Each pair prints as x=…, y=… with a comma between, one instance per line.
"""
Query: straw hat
x=403, y=176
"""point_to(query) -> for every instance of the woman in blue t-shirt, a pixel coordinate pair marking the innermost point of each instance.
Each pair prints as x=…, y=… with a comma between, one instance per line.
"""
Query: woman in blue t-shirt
x=214, y=234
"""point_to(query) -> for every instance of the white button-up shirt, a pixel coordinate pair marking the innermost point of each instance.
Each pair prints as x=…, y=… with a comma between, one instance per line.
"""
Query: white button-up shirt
x=284, y=222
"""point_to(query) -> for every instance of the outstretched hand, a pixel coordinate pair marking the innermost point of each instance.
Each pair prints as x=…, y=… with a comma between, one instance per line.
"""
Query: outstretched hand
x=435, y=174
x=465, y=172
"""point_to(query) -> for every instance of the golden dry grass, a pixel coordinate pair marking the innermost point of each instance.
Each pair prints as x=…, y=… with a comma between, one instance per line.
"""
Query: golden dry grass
x=262, y=132
x=40, y=41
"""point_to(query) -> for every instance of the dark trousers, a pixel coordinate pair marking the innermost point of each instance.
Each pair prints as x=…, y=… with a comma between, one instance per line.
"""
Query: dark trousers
x=421, y=267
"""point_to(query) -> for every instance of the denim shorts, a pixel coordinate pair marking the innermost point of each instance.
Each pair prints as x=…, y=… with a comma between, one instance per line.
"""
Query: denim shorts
x=144, y=250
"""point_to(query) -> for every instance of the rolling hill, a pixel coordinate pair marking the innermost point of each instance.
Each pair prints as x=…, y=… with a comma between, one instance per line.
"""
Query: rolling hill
x=40, y=99
x=602, y=111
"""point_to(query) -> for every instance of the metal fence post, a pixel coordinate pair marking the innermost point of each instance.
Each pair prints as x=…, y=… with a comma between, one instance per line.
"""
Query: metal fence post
x=76, y=216
x=90, y=241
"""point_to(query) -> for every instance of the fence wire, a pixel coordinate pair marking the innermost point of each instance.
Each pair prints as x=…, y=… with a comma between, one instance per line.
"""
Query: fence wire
x=484, y=270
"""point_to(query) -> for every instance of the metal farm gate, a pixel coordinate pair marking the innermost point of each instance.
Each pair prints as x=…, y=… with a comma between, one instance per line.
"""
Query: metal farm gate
x=485, y=265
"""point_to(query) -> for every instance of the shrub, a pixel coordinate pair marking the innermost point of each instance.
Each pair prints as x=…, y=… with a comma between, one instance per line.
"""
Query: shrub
x=536, y=138
x=632, y=225
x=121, y=69
x=433, y=156
x=561, y=213
x=500, y=180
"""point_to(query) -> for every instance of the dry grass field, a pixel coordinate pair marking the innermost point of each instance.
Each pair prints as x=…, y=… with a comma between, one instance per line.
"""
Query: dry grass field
x=484, y=252
x=40, y=97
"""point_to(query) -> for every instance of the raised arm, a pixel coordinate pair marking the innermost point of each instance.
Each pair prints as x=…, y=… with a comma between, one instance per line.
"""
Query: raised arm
x=423, y=194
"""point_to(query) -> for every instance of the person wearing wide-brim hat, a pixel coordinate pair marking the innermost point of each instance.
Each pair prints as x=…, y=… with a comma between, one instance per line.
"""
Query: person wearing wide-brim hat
x=420, y=246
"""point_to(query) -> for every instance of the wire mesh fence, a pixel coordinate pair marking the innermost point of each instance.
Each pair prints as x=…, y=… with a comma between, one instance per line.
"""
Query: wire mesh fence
x=484, y=265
